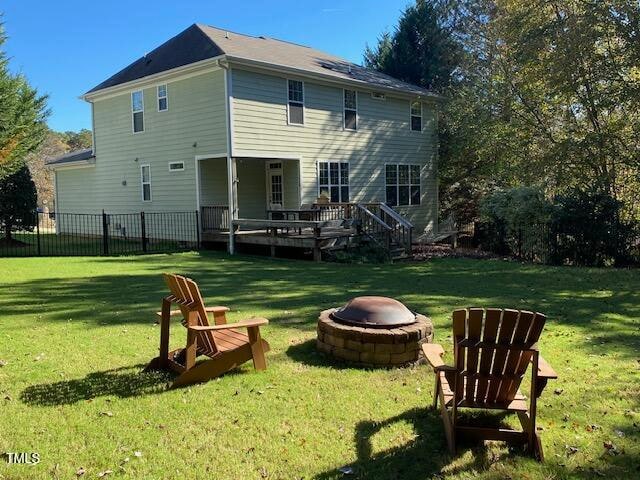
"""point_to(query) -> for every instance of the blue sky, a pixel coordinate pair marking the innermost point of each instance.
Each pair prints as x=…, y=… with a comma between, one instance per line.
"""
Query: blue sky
x=67, y=47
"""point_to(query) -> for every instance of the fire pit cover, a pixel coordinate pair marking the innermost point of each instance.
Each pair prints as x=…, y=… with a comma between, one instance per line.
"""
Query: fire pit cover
x=374, y=312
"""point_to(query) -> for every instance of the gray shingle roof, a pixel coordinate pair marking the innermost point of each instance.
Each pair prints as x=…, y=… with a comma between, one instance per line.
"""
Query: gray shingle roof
x=199, y=42
x=72, y=157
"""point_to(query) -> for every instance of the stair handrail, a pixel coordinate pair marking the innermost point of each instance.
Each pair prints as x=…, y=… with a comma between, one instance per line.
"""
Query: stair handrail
x=395, y=215
x=402, y=228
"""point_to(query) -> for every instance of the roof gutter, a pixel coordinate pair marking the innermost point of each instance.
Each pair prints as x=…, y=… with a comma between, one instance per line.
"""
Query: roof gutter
x=229, y=59
x=69, y=165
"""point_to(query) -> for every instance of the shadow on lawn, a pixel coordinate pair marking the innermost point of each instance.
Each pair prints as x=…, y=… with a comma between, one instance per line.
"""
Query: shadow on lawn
x=424, y=457
x=121, y=382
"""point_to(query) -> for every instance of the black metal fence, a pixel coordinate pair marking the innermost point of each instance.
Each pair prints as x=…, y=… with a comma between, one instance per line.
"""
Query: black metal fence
x=561, y=243
x=77, y=234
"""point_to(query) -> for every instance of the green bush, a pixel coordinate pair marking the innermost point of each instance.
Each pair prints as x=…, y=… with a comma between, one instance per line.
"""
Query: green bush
x=506, y=214
x=587, y=230
x=583, y=227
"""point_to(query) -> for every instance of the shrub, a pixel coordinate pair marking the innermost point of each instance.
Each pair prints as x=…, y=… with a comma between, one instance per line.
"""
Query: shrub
x=587, y=230
x=508, y=215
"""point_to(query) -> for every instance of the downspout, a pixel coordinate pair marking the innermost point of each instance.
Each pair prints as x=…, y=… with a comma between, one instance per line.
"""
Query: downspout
x=231, y=181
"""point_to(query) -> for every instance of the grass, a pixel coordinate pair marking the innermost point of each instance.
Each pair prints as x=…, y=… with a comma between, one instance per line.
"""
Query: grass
x=75, y=333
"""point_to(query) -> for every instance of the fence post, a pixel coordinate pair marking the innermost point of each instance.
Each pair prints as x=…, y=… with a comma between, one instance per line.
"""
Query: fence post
x=38, y=232
x=143, y=230
x=197, y=230
x=105, y=234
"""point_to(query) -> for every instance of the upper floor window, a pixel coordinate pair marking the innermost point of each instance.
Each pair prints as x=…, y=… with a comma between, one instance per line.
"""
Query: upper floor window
x=403, y=184
x=163, y=102
x=137, y=111
x=145, y=180
x=296, y=102
x=350, y=110
x=333, y=181
x=416, y=116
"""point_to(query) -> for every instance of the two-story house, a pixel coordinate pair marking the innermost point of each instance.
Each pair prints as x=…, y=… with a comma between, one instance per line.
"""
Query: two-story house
x=216, y=118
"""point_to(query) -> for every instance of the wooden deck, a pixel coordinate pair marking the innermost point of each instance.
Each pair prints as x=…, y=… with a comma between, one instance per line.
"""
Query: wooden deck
x=320, y=228
x=317, y=236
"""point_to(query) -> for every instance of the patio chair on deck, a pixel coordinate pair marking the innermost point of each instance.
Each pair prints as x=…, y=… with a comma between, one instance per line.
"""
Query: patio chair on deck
x=492, y=351
x=225, y=345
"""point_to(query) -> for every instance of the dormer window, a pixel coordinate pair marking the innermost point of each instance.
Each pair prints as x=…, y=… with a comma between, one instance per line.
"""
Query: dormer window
x=295, y=108
x=416, y=116
x=137, y=111
x=350, y=110
x=163, y=101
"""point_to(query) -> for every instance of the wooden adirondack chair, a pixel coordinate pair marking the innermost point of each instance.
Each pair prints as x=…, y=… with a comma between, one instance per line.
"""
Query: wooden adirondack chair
x=492, y=350
x=225, y=344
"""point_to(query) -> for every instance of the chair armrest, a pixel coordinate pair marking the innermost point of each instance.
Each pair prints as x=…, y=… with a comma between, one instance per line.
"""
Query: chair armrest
x=545, y=370
x=172, y=313
x=433, y=353
x=218, y=309
x=254, y=322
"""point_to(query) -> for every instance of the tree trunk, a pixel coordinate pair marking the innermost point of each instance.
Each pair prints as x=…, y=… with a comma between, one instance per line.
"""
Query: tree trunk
x=7, y=231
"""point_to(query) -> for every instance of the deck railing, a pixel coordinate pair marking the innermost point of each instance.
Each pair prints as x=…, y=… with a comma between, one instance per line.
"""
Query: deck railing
x=215, y=218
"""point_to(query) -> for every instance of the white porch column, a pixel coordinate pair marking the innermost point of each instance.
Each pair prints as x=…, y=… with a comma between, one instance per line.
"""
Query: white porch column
x=232, y=187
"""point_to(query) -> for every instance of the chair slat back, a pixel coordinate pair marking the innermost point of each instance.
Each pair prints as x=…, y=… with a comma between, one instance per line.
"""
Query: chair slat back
x=186, y=295
x=488, y=372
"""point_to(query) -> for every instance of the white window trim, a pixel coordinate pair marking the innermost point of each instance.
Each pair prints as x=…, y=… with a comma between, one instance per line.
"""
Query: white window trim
x=304, y=101
x=398, y=184
x=344, y=110
x=166, y=96
x=411, y=115
x=176, y=169
x=136, y=111
x=329, y=184
x=142, y=183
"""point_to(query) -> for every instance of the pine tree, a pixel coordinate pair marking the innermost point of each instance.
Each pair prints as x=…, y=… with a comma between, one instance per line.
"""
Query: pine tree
x=22, y=116
x=18, y=202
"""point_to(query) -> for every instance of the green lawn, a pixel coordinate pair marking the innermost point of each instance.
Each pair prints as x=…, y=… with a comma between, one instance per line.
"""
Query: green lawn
x=75, y=333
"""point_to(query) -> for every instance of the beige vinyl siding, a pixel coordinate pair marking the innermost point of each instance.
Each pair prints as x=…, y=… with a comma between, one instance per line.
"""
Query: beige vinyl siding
x=194, y=124
x=383, y=136
x=213, y=182
x=252, y=188
x=291, y=184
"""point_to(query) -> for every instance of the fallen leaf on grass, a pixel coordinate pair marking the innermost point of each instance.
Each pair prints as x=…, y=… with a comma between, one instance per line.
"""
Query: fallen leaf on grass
x=558, y=391
x=106, y=414
x=591, y=428
x=263, y=472
x=619, y=433
x=81, y=471
x=346, y=470
x=137, y=454
x=611, y=448
x=3, y=363
x=8, y=398
x=571, y=450
x=104, y=473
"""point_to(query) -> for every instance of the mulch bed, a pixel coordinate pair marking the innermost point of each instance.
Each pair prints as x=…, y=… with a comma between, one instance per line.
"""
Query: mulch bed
x=437, y=250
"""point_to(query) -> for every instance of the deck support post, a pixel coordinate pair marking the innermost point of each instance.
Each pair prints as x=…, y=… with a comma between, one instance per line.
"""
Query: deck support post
x=273, y=233
x=317, y=253
x=232, y=186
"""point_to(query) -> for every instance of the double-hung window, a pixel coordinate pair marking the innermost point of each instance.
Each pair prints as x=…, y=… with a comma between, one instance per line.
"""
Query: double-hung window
x=350, y=110
x=145, y=180
x=403, y=184
x=333, y=181
x=163, y=99
x=295, y=110
x=416, y=116
x=137, y=111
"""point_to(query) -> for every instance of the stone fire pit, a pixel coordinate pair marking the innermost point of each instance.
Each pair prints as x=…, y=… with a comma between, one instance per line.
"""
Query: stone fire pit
x=373, y=331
